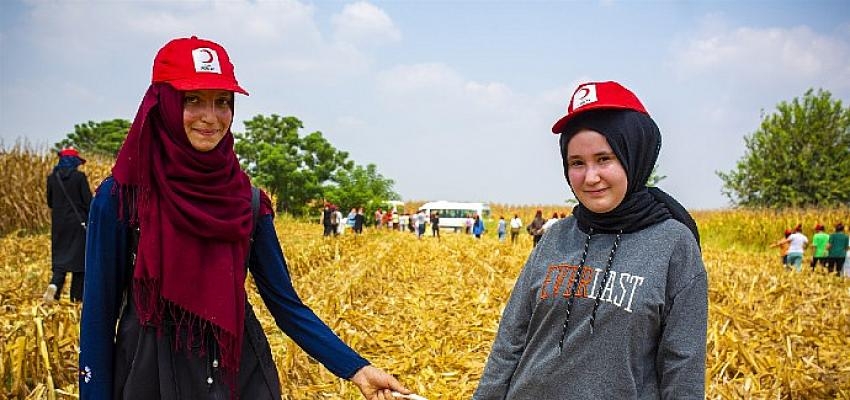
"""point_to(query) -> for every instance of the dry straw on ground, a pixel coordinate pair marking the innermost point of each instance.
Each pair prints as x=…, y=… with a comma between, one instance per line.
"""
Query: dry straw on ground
x=427, y=310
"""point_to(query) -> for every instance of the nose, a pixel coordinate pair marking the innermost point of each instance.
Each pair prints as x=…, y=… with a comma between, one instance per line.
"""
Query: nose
x=591, y=175
x=207, y=112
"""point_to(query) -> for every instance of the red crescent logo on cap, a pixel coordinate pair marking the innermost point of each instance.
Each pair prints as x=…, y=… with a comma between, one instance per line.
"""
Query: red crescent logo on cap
x=208, y=54
x=582, y=93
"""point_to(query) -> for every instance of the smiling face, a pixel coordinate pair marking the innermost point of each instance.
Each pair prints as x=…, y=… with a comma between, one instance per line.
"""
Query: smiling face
x=207, y=115
x=596, y=175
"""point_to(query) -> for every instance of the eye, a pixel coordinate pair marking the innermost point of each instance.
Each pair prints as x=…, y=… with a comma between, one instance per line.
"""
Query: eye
x=574, y=163
x=191, y=99
x=223, y=102
x=605, y=159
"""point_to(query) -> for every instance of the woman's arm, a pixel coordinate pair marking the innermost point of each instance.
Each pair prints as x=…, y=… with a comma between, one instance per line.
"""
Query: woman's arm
x=298, y=321
x=510, y=338
x=105, y=271
x=681, y=350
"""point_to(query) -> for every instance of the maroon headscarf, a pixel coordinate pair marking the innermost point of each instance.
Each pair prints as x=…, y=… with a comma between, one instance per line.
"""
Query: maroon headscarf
x=193, y=210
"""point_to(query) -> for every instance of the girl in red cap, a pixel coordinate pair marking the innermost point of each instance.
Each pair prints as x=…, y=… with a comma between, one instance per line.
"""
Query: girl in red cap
x=68, y=196
x=612, y=302
x=172, y=235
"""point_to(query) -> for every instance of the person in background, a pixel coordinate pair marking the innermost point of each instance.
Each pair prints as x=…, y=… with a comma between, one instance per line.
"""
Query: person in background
x=172, y=235
x=535, y=228
x=388, y=219
x=335, y=217
x=421, y=221
x=327, y=214
x=783, y=245
x=351, y=217
x=468, y=224
x=838, y=246
x=435, y=224
x=339, y=226
x=477, y=226
x=550, y=222
x=359, y=221
x=68, y=197
x=819, y=241
x=502, y=228
x=379, y=218
x=403, y=221
x=613, y=301
x=516, y=224
x=797, y=243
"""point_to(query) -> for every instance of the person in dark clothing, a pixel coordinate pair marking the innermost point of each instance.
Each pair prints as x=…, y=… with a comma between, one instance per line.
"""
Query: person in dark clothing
x=68, y=196
x=327, y=214
x=435, y=224
x=172, y=236
x=359, y=221
x=535, y=228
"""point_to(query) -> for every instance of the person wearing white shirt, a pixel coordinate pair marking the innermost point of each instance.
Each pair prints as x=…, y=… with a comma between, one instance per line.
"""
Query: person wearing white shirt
x=516, y=223
x=550, y=222
x=797, y=245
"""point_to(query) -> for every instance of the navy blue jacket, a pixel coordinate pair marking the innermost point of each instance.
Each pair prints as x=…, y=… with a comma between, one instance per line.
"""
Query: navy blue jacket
x=108, y=273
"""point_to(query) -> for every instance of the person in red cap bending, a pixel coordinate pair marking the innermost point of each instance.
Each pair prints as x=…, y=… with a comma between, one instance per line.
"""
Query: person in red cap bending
x=613, y=301
x=172, y=235
x=68, y=196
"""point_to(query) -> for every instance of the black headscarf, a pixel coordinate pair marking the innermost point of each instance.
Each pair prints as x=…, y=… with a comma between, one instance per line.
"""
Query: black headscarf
x=636, y=141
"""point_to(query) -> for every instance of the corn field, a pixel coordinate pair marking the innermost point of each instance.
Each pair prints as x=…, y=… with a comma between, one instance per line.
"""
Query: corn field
x=427, y=310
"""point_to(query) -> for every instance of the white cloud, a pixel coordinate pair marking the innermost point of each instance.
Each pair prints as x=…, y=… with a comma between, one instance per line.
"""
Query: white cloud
x=283, y=35
x=363, y=23
x=765, y=56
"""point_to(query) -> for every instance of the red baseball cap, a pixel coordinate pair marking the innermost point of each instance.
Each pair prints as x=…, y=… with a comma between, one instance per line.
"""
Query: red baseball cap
x=596, y=96
x=195, y=64
x=71, y=152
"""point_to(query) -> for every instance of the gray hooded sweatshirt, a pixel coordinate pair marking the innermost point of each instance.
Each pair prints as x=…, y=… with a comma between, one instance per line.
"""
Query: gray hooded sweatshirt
x=648, y=339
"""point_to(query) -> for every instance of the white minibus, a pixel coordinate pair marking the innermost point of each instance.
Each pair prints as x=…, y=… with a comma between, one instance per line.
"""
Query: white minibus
x=453, y=214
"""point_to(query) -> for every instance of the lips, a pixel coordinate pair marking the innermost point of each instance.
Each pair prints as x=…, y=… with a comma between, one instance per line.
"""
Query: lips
x=596, y=193
x=206, y=132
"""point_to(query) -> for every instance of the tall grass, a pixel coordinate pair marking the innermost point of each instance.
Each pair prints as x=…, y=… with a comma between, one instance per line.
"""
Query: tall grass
x=23, y=187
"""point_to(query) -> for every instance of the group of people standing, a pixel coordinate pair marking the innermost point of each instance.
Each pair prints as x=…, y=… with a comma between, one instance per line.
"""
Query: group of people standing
x=416, y=222
x=335, y=224
x=829, y=250
x=611, y=303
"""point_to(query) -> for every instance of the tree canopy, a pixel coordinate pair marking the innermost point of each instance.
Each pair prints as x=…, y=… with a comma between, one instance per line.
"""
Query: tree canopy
x=799, y=156
x=360, y=187
x=300, y=171
x=102, y=138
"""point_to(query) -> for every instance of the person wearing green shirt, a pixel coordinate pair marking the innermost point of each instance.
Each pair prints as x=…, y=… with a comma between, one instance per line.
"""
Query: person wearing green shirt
x=837, y=247
x=819, y=242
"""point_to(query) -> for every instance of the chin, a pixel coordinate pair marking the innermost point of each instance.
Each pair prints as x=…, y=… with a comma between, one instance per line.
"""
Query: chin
x=600, y=209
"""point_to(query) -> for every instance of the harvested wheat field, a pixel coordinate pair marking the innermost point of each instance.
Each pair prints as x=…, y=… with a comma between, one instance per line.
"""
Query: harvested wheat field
x=427, y=311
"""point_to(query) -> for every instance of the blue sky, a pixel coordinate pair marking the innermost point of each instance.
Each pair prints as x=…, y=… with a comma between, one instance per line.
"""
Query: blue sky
x=453, y=100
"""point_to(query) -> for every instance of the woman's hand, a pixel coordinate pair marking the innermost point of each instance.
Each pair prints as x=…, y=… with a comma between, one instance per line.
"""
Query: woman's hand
x=375, y=384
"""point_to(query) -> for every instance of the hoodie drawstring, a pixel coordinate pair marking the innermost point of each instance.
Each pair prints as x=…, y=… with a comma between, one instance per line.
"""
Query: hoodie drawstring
x=576, y=279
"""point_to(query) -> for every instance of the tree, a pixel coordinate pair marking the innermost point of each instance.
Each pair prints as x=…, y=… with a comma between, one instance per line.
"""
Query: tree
x=654, y=177
x=103, y=138
x=300, y=171
x=360, y=187
x=799, y=156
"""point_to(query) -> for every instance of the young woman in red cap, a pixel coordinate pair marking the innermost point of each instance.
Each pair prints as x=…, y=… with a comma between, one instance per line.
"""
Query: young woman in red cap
x=68, y=196
x=171, y=238
x=612, y=302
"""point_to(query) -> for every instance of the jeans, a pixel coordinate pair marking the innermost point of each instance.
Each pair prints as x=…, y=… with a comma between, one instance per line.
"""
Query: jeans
x=796, y=259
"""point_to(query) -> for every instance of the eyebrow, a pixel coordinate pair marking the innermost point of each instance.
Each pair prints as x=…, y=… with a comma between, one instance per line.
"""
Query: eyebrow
x=601, y=153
